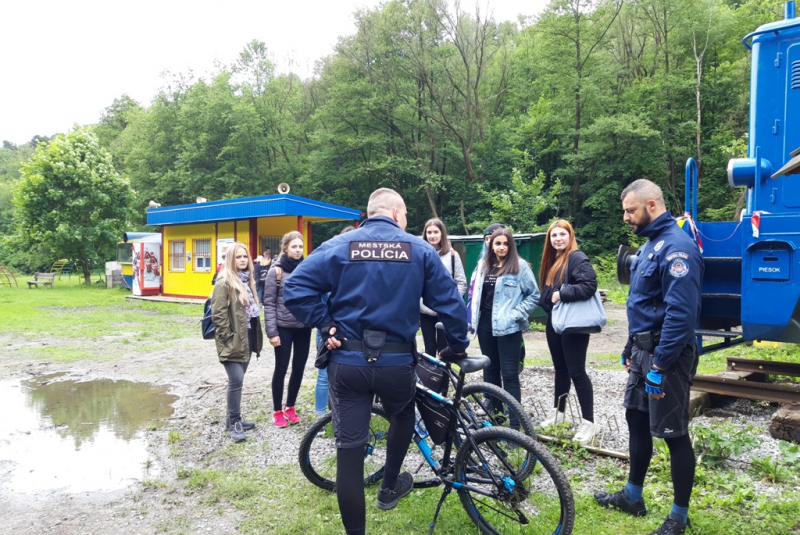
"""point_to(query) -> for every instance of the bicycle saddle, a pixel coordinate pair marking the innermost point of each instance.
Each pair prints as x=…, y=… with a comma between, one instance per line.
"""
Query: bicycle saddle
x=472, y=363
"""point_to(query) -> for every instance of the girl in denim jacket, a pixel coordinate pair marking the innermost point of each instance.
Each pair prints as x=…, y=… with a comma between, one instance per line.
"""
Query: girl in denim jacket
x=505, y=294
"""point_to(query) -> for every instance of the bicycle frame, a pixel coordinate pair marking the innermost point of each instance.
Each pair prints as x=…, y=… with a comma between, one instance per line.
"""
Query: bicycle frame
x=457, y=421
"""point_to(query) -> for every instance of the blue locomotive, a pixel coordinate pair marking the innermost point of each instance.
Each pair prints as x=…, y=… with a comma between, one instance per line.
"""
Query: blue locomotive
x=751, y=287
x=752, y=273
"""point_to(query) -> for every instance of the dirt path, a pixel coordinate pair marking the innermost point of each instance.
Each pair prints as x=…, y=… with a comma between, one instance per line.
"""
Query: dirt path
x=190, y=368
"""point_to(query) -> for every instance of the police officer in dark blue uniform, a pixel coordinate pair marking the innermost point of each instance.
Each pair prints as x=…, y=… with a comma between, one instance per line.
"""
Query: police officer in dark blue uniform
x=661, y=354
x=376, y=275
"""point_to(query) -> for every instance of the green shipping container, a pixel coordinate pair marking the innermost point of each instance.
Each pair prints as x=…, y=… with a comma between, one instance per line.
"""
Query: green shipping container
x=530, y=247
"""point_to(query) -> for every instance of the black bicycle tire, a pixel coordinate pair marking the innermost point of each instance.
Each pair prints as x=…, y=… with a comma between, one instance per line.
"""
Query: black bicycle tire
x=566, y=519
x=304, y=457
x=526, y=423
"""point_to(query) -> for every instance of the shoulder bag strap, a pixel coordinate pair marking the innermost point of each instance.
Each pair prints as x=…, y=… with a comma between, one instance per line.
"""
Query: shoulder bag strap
x=452, y=263
x=278, y=272
x=566, y=271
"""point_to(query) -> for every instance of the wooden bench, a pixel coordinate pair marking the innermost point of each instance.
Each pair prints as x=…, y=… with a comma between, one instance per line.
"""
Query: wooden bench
x=44, y=279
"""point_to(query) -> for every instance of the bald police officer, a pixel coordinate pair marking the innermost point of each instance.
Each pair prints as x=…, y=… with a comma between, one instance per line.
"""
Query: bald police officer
x=661, y=355
x=376, y=275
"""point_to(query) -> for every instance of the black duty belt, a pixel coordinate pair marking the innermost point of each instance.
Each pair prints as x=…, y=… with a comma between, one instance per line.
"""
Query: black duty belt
x=388, y=347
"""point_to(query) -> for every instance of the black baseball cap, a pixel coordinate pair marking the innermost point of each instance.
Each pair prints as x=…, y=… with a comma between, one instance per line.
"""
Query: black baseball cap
x=491, y=228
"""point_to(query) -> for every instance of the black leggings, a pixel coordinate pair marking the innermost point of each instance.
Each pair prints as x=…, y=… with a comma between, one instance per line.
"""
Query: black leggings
x=568, y=352
x=301, y=340
x=350, y=469
x=682, y=460
x=503, y=353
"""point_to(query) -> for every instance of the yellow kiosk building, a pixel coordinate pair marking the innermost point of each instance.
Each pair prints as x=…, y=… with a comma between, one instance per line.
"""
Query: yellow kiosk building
x=194, y=237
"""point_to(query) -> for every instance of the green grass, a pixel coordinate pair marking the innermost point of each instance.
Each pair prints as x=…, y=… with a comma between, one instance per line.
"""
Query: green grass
x=57, y=324
x=606, y=362
x=717, y=360
x=722, y=503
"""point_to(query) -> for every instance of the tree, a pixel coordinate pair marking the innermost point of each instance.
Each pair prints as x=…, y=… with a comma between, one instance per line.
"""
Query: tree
x=71, y=200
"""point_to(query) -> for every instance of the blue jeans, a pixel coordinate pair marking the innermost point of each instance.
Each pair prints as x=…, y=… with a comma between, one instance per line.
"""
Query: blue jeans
x=321, y=393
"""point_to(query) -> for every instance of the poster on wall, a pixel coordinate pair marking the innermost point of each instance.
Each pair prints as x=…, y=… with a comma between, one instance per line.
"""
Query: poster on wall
x=222, y=250
x=146, y=268
x=152, y=269
x=136, y=262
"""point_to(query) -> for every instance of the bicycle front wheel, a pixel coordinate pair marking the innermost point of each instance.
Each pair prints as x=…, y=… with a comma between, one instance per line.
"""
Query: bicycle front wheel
x=502, y=494
x=317, y=454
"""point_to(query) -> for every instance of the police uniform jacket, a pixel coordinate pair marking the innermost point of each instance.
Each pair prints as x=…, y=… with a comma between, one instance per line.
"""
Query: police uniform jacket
x=666, y=278
x=376, y=275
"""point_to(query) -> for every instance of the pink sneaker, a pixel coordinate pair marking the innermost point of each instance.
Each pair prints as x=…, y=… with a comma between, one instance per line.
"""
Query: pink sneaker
x=279, y=419
x=291, y=415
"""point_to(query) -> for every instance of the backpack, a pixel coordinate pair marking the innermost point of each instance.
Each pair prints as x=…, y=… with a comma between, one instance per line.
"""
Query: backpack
x=207, y=323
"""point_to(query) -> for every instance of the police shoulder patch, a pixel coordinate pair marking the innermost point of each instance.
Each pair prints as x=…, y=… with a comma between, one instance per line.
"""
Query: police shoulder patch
x=678, y=267
x=380, y=251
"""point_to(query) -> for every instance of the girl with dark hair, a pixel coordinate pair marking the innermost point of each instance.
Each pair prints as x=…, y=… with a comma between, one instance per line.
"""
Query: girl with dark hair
x=285, y=331
x=567, y=275
x=435, y=233
x=235, y=312
x=505, y=294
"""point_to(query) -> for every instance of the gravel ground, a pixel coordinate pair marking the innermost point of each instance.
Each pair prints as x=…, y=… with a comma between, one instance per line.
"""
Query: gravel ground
x=190, y=368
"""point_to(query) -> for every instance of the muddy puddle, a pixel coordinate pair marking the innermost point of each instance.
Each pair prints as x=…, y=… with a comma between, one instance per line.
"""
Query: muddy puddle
x=61, y=435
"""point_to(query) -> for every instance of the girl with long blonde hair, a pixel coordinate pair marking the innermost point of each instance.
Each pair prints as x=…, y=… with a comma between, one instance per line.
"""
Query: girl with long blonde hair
x=235, y=312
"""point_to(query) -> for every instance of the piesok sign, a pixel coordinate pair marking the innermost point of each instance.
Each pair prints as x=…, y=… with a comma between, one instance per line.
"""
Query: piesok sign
x=381, y=251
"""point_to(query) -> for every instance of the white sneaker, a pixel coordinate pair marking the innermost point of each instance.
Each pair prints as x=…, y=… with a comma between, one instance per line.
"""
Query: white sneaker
x=587, y=432
x=557, y=417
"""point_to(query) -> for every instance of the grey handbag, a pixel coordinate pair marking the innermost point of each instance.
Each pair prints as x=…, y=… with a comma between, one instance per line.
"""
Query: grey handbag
x=579, y=317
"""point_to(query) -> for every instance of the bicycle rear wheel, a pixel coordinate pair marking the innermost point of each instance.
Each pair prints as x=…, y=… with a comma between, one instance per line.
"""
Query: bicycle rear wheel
x=502, y=494
x=317, y=455
x=491, y=406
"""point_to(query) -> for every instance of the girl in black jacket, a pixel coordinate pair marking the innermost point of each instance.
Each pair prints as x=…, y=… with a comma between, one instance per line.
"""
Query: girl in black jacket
x=563, y=261
x=285, y=332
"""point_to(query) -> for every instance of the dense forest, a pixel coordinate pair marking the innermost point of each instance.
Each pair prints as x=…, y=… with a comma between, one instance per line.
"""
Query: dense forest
x=470, y=119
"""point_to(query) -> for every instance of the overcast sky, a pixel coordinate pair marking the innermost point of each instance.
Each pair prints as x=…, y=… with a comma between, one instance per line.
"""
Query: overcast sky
x=64, y=62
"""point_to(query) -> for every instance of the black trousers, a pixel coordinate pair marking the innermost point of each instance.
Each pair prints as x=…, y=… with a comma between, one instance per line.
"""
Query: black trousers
x=300, y=339
x=568, y=352
x=434, y=341
x=503, y=353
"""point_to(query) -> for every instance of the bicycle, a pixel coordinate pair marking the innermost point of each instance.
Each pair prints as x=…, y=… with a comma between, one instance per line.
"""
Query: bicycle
x=486, y=405
x=506, y=481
